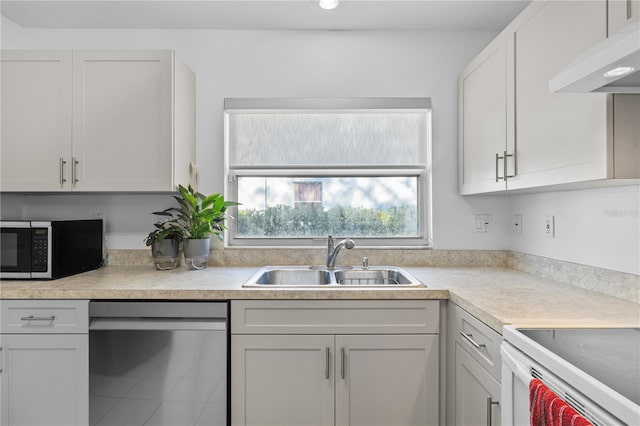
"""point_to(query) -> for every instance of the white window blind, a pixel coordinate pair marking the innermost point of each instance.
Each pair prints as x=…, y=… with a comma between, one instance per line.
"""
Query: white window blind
x=373, y=155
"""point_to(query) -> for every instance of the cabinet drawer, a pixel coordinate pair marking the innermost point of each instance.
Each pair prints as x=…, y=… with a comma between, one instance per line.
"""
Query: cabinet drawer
x=45, y=316
x=480, y=341
x=335, y=316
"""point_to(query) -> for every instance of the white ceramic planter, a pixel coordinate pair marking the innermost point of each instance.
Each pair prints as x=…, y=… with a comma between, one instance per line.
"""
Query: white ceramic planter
x=196, y=253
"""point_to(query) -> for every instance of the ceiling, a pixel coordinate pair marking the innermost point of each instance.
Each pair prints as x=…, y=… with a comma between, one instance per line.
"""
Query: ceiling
x=265, y=14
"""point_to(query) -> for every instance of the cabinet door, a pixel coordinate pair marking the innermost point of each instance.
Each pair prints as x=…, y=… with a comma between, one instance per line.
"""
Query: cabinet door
x=282, y=380
x=36, y=120
x=387, y=380
x=477, y=394
x=122, y=120
x=560, y=137
x=45, y=379
x=483, y=120
x=621, y=13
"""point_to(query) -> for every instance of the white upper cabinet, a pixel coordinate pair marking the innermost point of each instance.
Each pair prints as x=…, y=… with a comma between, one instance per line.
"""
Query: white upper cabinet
x=560, y=137
x=482, y=91
x=621, y=13
x=515, y=134
x=36, y=120
x=125, y=121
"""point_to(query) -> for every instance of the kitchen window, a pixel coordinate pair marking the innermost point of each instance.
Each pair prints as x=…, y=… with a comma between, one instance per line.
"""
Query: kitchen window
x=303, y=169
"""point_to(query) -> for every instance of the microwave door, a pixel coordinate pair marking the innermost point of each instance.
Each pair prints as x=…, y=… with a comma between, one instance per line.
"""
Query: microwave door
x=15, y=252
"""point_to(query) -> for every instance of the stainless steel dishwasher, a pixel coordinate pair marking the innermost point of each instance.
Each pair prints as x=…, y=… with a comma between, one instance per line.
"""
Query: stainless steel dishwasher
x=158, y=363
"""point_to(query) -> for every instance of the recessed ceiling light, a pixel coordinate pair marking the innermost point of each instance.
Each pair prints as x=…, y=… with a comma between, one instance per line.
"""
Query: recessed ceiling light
x=328, y=4
x=619, y=71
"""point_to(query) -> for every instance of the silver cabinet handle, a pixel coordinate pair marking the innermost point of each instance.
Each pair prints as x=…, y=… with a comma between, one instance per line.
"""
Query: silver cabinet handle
x=62, y=163
x=490, y=404
x=343, y=361
x=469, y=339
x=504, y=165
x=32, y=318
x=628, y=9
x=326, y=376
x=506, y=173
x=498, y=158
x=74, y=170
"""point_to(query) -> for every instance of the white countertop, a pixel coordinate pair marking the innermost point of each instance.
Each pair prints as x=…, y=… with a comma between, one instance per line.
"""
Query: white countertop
x=497, y=296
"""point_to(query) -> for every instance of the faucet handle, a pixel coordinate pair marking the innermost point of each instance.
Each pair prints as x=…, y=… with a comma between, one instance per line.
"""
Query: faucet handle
x=365, y=262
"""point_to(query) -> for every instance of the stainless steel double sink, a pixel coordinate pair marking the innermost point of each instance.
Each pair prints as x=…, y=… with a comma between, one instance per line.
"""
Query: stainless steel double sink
x=305, y=276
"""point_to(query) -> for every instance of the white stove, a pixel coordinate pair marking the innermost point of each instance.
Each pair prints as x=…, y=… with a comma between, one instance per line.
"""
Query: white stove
x=597, y=371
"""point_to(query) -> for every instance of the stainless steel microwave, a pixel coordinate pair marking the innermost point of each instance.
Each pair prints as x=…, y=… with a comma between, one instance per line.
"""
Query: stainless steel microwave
x=32, y=249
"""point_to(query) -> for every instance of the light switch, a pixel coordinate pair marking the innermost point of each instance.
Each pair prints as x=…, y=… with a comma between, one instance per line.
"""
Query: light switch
x=481, y=223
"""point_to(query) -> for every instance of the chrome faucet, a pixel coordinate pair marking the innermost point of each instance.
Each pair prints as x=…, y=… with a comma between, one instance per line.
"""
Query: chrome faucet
x=332, y=251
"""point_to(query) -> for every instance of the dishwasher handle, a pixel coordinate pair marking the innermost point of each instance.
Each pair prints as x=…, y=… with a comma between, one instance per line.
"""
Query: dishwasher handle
x=169, y=324
x=169, y=310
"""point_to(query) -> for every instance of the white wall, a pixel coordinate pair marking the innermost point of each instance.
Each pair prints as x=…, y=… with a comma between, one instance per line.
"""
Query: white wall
x=598, y=227
x=296, y=64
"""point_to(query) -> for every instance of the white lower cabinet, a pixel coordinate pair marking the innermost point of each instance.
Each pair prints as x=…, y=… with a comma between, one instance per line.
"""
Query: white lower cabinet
x=386, y=380
x=45, y=379
x=477, y=393
x=44, y=376
x=282, y=380
x=325, y=378
x=473, y=370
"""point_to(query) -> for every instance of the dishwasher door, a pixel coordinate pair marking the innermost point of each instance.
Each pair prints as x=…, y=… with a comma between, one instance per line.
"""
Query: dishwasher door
x=158, y=363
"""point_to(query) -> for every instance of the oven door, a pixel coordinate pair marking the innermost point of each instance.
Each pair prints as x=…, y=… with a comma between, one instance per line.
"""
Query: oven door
x=518, y=369
x=514, y=402
x=15, y=249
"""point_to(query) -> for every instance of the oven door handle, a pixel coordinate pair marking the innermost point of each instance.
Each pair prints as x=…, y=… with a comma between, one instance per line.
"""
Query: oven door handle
x=521, y=373
x=124, y=323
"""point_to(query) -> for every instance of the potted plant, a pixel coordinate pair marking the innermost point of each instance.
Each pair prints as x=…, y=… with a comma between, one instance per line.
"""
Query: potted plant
x=197, y=219
x=164, y=241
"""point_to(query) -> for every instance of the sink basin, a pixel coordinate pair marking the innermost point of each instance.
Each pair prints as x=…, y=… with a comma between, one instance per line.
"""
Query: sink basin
x=293, y=277
x=375, y=277
x=303, y=276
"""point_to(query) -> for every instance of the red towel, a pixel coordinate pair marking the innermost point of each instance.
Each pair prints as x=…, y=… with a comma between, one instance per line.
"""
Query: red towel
x=547, y=409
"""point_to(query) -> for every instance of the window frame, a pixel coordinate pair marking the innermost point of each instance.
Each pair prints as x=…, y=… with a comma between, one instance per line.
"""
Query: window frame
x=423, y=172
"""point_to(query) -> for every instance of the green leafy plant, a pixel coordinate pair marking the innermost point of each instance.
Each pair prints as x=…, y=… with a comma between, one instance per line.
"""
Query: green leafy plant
x=198, y=216
x=165, y=229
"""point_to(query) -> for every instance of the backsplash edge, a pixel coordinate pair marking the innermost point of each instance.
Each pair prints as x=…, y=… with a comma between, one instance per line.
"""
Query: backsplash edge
x=612, y=283
x=262, y=257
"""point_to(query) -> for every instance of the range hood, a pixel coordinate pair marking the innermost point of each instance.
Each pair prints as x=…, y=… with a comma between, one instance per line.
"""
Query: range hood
x=612, y=66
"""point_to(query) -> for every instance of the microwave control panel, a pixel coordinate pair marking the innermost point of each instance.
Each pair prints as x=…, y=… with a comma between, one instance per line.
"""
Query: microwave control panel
x=39, y=249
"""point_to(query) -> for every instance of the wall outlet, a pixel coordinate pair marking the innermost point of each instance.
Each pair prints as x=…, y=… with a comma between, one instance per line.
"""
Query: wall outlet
x=549, y=226
x=481, y=223
x=517, y=224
